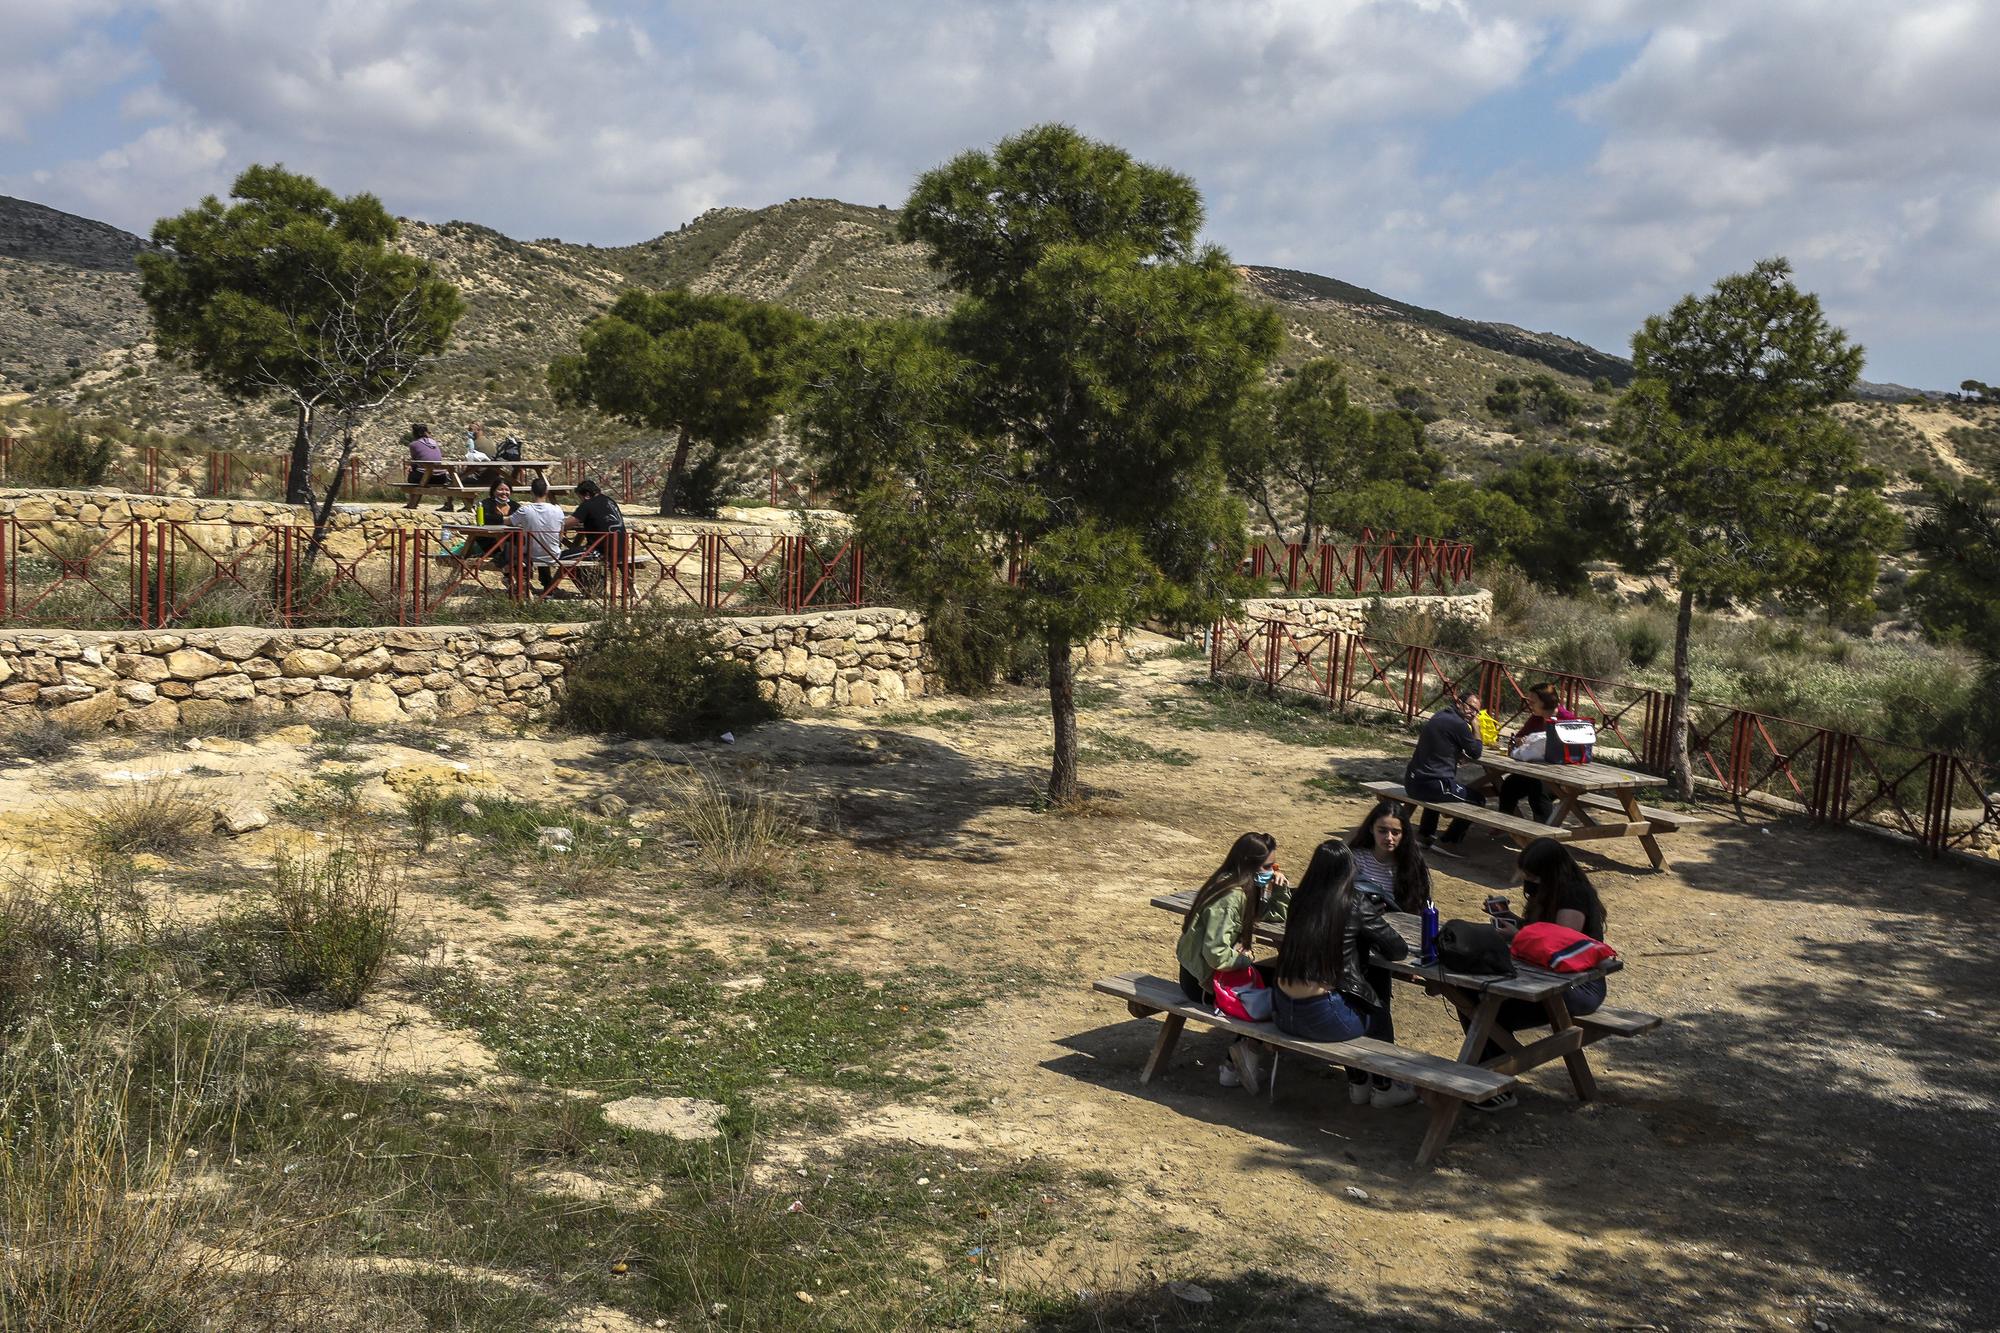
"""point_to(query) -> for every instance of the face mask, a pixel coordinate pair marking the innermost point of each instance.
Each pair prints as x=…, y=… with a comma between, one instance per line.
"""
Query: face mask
x=1264, y=878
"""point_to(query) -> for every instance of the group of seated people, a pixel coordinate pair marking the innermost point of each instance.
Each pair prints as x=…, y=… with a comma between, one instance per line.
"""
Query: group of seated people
x=1327, y=977
x=549, y=538
x=1449, y=736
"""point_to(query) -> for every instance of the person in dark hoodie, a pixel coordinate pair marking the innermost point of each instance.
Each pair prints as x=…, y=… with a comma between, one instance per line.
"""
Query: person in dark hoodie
x=1432, y=776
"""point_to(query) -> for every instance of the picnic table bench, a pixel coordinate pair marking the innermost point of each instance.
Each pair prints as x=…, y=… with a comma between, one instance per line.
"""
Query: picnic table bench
x=1584, y=793
x=1442, y=1083
x=1477, y=998
x=470, y=477
x=1518, y=830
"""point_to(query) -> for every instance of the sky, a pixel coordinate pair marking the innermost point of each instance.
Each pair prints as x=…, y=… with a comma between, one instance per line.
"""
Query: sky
x=1566, y=165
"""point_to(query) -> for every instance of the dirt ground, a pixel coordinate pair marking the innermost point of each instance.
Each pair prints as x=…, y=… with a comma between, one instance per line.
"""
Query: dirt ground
x=1808, y=1142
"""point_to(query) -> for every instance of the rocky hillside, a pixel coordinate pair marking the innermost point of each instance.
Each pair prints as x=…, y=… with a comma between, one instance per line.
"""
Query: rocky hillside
x=73, y=332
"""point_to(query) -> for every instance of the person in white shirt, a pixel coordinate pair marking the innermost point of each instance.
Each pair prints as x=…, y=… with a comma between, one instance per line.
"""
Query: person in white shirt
x=542, y=523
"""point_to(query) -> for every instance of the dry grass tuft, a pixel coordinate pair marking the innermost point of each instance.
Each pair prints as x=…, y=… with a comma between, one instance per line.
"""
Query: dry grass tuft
x=743, y=839
x=160, y=818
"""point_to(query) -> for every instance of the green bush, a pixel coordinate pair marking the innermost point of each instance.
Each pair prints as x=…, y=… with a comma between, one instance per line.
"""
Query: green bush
x=657, y=673
x=1646, y=639
x=1586, y=648
x=62, y=453
x=325, y=925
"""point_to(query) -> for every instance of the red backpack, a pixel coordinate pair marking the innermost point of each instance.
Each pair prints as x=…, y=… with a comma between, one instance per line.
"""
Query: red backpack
x=1560, y=949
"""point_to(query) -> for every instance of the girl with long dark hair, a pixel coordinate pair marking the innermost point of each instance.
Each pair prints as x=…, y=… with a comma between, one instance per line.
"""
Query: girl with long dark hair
x=1544, y=707
x=1388, y=862
x=1218, y=930
x=1324, y=992
x=1558, y=891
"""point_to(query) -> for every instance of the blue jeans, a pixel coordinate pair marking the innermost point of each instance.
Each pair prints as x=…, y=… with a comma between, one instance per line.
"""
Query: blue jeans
x=1431, y=789
x=1333, y=1017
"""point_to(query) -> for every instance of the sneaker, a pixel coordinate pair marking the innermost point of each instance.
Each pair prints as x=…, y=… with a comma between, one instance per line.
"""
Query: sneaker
x=1244, y=1056
x=1396, y=1094
x=1358, y=1092
x=1505, y=1101
x=1228, y=1077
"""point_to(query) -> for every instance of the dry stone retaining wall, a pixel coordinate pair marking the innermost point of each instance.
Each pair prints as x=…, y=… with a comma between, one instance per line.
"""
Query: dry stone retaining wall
x=1349, y=615
x=158, y=680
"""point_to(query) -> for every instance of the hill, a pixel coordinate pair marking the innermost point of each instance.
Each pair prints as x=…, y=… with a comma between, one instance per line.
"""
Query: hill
x=73, y=332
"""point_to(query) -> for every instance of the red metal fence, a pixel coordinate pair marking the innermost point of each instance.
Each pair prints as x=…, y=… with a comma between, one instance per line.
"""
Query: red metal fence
x=1941, y=800
x=155, y=573
x=1371, y=564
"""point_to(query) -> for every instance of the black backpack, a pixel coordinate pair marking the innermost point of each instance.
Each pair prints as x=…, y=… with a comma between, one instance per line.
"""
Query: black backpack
x=510, y=450
x=1464, y=946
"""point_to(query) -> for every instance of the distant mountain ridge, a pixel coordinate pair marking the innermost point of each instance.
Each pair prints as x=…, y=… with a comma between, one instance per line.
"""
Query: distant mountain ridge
x=74, y=333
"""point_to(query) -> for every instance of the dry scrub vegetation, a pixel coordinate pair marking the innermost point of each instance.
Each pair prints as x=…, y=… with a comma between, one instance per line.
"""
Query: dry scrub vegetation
x=388, y=1062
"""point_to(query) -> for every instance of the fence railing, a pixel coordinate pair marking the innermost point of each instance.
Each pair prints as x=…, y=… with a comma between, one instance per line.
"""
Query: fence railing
x=158, y=573
x=1371, y=564
x=1939, y=799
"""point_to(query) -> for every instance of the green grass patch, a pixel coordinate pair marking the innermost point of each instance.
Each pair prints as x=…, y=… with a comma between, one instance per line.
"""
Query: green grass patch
x=1111, y=747
x=671, y=1023
x=1286, y=718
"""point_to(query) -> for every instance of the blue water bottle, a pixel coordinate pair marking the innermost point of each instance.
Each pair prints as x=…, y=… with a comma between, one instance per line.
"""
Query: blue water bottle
x=1427, y=952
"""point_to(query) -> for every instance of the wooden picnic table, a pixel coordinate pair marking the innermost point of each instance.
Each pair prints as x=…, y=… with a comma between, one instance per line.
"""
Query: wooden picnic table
x=1585, y=791
x=1479, y=998
x=472, y=476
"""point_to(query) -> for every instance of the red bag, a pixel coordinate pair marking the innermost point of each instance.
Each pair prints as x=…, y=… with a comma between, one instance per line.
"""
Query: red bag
x=1241, y=993
x=1560, y=949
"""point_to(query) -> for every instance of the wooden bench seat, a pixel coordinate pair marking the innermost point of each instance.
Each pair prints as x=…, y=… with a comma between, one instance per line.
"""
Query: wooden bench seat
x=1662, y=821
x=1615, y=1023
x=1444, y=1083
x=1521, y=831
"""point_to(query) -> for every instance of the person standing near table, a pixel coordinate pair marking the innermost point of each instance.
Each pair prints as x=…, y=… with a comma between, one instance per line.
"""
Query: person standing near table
x=541, y=525
x=1432, y=775
x=1544, y=707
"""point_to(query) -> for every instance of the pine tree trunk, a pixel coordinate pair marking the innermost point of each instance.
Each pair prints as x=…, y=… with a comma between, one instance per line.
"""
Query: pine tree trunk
x=298, y=477
x=1062, y=710
x=670, y=493
x=1680, y=771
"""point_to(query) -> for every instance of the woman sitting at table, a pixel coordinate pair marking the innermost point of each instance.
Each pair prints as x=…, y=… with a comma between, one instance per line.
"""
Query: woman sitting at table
x=1217, y=932
x=1544, y=706
x=1388, y=862
x=492, y=512
x=1558, y=891
x=1324, y=986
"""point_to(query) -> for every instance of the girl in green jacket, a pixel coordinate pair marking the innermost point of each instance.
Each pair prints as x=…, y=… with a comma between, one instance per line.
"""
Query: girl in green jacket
x=1217, y=932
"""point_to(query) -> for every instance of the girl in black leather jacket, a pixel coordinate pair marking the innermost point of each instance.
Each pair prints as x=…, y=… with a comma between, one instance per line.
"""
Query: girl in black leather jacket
x=1324, y=992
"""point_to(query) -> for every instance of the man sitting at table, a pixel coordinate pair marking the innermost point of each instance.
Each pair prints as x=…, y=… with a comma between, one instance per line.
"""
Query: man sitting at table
x=1432, y=775
x=424, y=450
x=541, y=525
x=599, y=528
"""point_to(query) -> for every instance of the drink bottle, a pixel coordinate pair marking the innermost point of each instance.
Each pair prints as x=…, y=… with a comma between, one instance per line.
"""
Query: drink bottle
x=1427, y=952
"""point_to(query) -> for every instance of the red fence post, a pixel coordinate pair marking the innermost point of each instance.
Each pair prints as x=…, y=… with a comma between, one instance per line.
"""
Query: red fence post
x=854, y=572
x=625, y=475
x=1271, y=656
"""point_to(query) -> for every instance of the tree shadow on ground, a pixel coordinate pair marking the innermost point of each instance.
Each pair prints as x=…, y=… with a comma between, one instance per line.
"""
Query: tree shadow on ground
x=1818, y=1142
x=886, y=790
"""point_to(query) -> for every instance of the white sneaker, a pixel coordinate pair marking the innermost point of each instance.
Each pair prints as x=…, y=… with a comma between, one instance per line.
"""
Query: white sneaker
x=1396, y=1094
x=1358, y=1092
x=1228, y=1077
x=1244, y=1056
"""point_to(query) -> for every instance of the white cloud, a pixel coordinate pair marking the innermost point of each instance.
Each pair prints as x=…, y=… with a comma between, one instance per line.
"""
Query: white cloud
x=1853, y=136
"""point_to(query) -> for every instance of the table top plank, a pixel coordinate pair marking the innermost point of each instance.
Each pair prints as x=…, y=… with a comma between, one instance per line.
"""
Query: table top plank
x=1580, y=777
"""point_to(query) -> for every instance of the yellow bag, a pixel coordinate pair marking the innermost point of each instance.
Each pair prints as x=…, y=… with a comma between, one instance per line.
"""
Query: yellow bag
x=1489, y=728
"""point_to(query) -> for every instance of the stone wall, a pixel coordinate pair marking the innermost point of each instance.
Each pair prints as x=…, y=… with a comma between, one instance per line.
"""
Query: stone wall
x=1349, y=615
x=157, y=680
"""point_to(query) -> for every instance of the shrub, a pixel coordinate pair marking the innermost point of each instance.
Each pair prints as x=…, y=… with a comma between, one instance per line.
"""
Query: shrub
x=743, y=839
x=38, y=736
x=655, y=673
x=1585, y=648
x=1645, y=639
x=335, y=917
x=325, y=923
x=156, y=817
x=63, y=454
